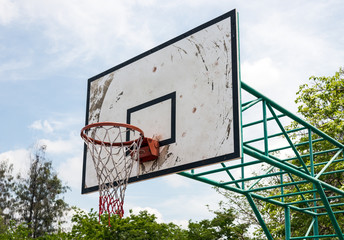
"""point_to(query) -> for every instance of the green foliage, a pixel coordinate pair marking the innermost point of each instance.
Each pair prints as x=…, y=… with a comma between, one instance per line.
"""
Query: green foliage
x=144, y=226
x=39, y=206
x=222, y=226
x=7, y=186
x=140, y=226
x=39, y=202
x=321, y=103
x=15, y=231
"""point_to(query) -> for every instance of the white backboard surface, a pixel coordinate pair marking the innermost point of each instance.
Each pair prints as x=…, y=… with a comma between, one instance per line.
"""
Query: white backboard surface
x=185, y=92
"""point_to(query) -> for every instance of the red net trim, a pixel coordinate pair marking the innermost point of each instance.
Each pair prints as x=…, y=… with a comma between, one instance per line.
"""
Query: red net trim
x=110, y=205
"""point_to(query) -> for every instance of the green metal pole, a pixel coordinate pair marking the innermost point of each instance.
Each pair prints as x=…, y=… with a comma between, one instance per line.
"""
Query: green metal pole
x=241, y=129
x=291, y=115
x=240, y=191
x=265, y=125
x=288, y=139
x=311, y=158
x=329, y=211
x=287, y=223
x=328, y=164
x=230, y=175
x=290, y=169
x=259, y=217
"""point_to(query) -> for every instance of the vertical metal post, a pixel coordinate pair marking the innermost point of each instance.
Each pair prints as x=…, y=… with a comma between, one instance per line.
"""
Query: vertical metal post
x=241, y=129
x=265, y=126
x=329, y=211
x=259, y=217
x=287, y=223
x=311, y=159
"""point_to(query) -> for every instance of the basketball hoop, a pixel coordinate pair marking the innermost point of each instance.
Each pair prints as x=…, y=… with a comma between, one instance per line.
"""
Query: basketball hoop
x=114, y=156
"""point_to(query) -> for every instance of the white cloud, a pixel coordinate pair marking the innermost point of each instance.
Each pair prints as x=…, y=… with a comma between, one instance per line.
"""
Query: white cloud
x=80, y=31
x=180, y=222
x=70, y=171
x=154, y=211
x=176, y=181
x=193, y=206
x=10, y=67
x=70, y=145
x=261, y=73
x=20, y=159
x=49, y=126
x=45, y=126
x=8, y=11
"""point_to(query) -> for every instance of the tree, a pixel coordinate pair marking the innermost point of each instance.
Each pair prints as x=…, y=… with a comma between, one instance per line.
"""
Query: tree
x=7, y=186
x=40, y=204
x=322, y=103
x=136, y=227
x=144, y=226
x=222, y=226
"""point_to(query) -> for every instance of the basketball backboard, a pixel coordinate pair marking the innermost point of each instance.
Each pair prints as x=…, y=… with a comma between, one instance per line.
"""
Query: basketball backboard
x=185, y=92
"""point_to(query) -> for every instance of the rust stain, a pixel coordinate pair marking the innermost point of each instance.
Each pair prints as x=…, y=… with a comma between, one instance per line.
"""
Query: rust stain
x=194, y=110
x=184, y=134
x=181, y=96
x=154, y=69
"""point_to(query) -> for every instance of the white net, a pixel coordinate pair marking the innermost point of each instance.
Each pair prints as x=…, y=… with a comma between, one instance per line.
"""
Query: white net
x=114, y=157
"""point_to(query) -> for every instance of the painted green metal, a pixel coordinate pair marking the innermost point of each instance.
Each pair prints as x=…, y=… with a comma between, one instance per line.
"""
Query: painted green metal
x=291, y=115
x=328, y=164
x=258, y=216
x=329, y=211
x=315, y=222
x=290, y=178
x=287, y=223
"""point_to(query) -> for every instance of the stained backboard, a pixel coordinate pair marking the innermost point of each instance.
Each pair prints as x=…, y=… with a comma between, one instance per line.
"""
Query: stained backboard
x=185, y=92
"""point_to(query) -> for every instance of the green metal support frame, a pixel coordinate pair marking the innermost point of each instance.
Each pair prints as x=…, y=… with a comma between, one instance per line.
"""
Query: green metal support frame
x=296, y=172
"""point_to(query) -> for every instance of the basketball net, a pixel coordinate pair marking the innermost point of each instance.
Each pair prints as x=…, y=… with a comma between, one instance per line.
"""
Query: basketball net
x=113, y=159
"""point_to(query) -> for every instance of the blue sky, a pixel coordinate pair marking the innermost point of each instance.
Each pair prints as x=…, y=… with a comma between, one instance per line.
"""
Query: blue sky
x=50, y=48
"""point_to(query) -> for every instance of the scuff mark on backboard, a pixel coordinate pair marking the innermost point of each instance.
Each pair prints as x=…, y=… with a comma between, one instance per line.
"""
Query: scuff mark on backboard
x=229, y=128
x=97, y=94
x=119, y=96
x=180, y=51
